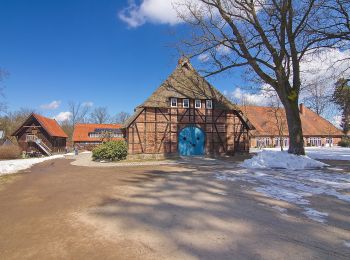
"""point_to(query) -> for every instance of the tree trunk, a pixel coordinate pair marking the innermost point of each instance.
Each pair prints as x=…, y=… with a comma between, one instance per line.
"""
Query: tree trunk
x=296, y=139
x=281, y=142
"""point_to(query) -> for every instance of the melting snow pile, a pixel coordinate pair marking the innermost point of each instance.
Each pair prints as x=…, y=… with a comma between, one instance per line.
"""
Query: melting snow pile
x=13, y=166
x=293, y=186
x=283, y=160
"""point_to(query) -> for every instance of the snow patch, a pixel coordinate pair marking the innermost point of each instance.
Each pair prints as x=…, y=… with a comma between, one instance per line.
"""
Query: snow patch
x=318, y=153
x=315, y=215
x=347, y=243
x=282, y=194
x=280, y=209
x=13, y=166
x=283, y=160
x=293, y=186
x=329, y=153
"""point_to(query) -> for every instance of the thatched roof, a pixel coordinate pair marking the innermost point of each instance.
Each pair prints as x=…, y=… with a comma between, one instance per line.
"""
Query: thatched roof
x=184, y=82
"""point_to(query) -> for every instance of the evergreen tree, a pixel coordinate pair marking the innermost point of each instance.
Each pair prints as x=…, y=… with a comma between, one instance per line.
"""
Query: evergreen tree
x=341, y=97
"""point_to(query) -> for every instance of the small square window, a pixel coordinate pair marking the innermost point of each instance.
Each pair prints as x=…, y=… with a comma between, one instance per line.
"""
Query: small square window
x=186, y=103
x=209, y=104
x=198, y=103
x=173, y=102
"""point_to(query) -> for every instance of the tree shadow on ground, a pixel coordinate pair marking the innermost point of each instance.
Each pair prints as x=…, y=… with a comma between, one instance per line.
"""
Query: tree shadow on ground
x=184, y=212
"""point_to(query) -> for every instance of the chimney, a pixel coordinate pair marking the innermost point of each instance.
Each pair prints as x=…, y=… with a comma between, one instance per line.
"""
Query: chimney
x=185, y=62
x=302, y=109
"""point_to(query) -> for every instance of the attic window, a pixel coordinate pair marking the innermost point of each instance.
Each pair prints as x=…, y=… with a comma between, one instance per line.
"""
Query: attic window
x=209, y=104
x=173, y=102
x=186, y=103
x=198, y=103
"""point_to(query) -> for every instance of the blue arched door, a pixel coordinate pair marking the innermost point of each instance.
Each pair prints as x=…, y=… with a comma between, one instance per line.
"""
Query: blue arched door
x=191, y=141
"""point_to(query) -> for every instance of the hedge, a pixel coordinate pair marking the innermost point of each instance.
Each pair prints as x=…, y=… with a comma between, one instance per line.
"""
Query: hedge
x=112, y=151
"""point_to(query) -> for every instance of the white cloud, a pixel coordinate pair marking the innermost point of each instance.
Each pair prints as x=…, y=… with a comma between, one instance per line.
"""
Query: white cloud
x=203, y=57
x=165, y=11
x=325, y=68
x=51, y=106
x=155, y=11
x=262, y=98
x=223, y=50
x=63, y=116
x=87, y=104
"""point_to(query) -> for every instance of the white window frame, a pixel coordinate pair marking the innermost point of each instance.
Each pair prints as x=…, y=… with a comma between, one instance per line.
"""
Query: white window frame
x=188, y=104
x=200, y=103
x=209, y=101
x=315, y=141
x=171, y=102
x=329, y=140
x=263, y=142
x=278, y=140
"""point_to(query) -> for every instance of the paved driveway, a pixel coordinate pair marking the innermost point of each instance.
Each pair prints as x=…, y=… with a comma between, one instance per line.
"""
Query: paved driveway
x=183, y=211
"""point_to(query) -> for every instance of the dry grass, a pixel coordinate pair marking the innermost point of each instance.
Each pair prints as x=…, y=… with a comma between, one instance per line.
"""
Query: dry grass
x=9, y=152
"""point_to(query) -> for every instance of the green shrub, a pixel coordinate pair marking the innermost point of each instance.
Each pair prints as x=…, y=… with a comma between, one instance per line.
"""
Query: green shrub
x=113, y=151
x=345, y=142
x=10, y=152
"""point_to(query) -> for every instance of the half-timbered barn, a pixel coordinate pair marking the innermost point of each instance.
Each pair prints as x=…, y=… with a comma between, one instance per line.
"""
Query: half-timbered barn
x=187, y=116
x=42, y=135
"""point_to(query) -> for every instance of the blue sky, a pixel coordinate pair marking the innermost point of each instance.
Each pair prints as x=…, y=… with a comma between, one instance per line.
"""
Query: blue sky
x=82, y=51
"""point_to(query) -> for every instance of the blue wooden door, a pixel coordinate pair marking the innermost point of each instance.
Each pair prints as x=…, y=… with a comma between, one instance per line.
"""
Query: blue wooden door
x=191, y=141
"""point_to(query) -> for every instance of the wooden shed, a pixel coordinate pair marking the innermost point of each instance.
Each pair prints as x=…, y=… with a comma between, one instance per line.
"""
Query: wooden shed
x=187, y=116
x=41, y=134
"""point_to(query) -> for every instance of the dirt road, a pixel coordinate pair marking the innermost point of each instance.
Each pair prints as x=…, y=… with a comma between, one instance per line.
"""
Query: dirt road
x=60, y=211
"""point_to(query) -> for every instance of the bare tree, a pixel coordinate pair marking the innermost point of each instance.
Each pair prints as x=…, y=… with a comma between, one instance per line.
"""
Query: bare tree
x=79, y=112
x=12, y=120
x=334, y=21
x=317, y=98
x=334, y=24
x=121, y=117
x=270, y=38
x=277, y=118
x=100, y=115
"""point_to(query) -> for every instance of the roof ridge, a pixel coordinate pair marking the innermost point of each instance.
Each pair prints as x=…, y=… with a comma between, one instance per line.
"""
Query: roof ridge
x=186, y=82
x=54, y=129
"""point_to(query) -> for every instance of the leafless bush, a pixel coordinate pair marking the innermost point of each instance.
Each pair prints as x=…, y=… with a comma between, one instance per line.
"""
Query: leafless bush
x=9, y=152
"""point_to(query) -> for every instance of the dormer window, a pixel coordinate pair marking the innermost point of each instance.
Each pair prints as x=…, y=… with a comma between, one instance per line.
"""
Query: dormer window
x=173, y=102
x=186, y=103
x=197, y=103
x=209, y=104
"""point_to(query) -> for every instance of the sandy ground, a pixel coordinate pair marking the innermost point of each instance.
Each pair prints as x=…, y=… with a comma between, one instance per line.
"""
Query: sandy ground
x=59, y=211
x=84, y=159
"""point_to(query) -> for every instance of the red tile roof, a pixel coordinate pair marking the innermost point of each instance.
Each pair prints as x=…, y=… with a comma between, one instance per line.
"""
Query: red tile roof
x=51, y=126
x=264, y=122
x=81, y=131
